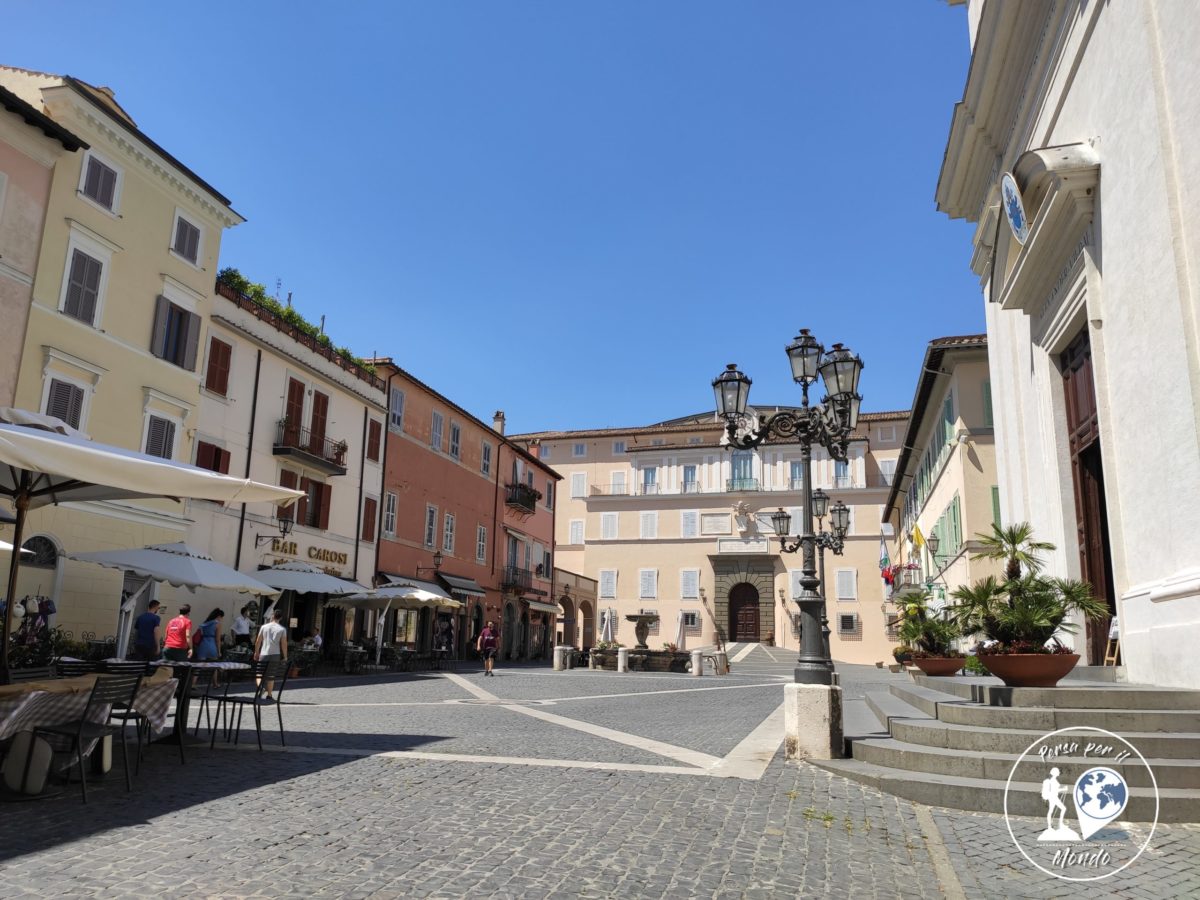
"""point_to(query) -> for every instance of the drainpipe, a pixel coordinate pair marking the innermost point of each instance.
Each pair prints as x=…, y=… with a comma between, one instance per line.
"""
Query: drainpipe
x=383, y=461
x=362, y=475
x=237, y=557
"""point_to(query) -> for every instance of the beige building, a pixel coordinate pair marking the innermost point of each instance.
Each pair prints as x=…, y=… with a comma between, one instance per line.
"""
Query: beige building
x=667, y=519
x=945, y=484
x=121, y=299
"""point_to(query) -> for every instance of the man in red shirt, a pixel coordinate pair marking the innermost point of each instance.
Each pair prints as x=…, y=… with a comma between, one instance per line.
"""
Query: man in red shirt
x=177, y=645
x=487, y=645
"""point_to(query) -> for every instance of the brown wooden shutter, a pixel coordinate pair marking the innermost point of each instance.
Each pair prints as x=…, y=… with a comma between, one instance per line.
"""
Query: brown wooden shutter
x=368, y=523
x=326, y=501
x=374, y=437
x=205, y=455
x=293, y=412
x=320, y=418
x=302, y=503
x=217, y=379
x=223, y=458
x=83, y=287
x=158, y=337
x=288, y=480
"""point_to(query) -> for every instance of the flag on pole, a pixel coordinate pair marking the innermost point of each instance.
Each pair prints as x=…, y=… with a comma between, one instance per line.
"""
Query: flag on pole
x=884, y=561
x=918, y=538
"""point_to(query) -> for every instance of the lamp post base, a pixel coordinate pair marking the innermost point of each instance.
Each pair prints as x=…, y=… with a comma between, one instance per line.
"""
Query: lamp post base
x=814, y=672
x=812, y=721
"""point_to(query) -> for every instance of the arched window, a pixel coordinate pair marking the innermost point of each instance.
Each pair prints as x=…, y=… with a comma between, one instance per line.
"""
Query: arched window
x=44, y=553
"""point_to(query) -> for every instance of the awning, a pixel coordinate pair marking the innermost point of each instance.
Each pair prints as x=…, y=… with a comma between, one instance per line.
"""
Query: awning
x=429, y=586
x=544, y=607
x=305, y=578
x=457, y=584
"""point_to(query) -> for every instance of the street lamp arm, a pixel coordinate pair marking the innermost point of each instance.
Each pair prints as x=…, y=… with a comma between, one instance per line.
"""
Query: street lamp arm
x=807, y=424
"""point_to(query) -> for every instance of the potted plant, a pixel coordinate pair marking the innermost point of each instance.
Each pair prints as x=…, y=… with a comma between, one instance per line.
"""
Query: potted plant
x=902, y=654
x=931, y=636
x=1021, y=616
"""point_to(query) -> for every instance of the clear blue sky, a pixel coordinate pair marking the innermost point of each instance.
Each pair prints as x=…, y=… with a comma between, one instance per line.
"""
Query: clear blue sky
x=574, y=211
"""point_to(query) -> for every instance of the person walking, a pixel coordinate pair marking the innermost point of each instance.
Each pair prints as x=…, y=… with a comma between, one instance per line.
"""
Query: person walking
x=270, y=645
x=487, y=644
x=176, y=647
x=241, y=628
x=146, y=633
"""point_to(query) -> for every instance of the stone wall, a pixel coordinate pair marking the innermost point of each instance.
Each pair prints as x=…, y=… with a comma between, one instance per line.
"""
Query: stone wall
x=731, y=571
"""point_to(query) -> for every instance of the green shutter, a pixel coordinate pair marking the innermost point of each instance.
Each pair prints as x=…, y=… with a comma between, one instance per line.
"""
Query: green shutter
x=996, y=505
x=987, y=404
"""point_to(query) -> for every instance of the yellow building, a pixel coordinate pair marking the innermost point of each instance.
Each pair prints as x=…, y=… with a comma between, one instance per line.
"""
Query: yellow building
x=668, y=520
x=945, y=484
x=121, y=297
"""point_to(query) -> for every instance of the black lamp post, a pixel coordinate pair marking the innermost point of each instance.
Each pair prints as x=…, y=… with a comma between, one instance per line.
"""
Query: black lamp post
x=829, y=426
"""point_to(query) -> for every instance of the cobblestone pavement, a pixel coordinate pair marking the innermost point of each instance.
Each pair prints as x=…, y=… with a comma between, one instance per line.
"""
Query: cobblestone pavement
x=532, y=784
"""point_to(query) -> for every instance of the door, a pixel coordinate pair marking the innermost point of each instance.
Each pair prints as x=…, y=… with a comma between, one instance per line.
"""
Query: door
x=741, y=471
x=743, y=613
x=1087, y=475
x=293, y=413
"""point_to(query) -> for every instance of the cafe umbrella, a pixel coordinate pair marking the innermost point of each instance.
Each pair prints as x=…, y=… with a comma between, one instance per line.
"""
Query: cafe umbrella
x=44, y=461
x=394, y=596
x=301, y=577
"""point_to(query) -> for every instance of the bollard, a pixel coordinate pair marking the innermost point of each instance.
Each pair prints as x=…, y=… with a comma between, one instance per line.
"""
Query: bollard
x=622, y=660
x=697, y=663
x=560, y=658
x=722, y=662
x=569, y=657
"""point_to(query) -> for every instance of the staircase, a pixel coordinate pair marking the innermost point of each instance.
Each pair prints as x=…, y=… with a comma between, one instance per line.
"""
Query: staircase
x=953, y=742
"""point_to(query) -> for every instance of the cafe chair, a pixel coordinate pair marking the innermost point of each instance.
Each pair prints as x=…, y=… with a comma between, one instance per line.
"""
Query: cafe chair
x=17, y=676
x=73, y=668
x=111, y=691
x=263, y=671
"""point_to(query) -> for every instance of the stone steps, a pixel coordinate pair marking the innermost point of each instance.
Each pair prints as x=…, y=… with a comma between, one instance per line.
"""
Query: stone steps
x=1069, y=694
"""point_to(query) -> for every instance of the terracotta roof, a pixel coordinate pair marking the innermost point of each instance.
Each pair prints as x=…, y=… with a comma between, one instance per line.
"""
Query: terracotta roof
x=39, y=119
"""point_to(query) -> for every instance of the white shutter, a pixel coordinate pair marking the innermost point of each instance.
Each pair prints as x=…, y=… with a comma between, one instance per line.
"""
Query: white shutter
x=608, y=526
x=847, y=584
x=689, y=523
x=578, y=484
x=649, y=529
x=618, y=482
x=647, y=584
x=576, y=531
x=608, y=584
x=689, y=584
x=794, y=578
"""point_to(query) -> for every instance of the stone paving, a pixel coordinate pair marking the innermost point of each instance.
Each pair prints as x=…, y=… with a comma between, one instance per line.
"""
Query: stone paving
x=533, y=784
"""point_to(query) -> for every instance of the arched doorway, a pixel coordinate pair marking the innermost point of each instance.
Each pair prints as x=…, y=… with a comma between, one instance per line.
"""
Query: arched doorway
x=509, y=631
x=547, y=633
x=589, y=624
x=523, y=648
x=424, y=629
x=566, y=634
x=743, y=612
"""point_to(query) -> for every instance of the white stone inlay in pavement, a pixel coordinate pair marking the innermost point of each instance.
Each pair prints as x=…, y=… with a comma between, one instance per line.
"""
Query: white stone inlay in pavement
x=743, y=653
x=750, y=758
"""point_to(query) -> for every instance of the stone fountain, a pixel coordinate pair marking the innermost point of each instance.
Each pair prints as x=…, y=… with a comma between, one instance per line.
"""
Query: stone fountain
x=642, y=628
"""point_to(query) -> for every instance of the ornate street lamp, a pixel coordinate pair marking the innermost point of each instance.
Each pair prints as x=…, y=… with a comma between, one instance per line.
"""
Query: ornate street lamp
x=828, y=426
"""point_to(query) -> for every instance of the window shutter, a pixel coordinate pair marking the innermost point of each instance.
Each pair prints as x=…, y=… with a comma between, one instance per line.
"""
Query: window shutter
x=608, y=526
x=649, y=529
x=160, y=437
x=608, y=584
x=689, y=584
x=326, y=502
x=191, y=342
x=206, y=455
x=217, y=378
x=618, y=482
x=847, y=588
x=158, y=337
x=996, y=505
x=794, y=578
x=83, y=287
x=689, y=523
x=576, y=531
x=374, y=436
x=223, y=458
x=648, y=584
x=368, y=523
x=302, y=503
x=578, y=484
x=65, y=401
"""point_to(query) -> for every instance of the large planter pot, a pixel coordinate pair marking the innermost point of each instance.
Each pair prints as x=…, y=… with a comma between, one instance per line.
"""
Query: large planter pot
x=940, y=665
x=1029, y=669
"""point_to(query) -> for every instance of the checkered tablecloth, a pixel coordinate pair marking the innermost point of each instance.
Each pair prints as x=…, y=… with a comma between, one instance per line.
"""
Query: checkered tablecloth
x=26, y=711
x=221, y=665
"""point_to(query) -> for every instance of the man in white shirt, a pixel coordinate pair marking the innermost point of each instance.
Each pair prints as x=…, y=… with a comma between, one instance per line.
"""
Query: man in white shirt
x=271, y=645
x=241, y=629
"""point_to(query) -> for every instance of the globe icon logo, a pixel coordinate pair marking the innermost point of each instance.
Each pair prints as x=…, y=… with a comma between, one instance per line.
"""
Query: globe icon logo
x=1100, y=797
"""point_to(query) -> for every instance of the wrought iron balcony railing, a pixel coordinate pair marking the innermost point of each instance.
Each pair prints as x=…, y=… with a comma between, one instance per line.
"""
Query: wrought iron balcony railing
x=521, y=496
x=316, y=449
x=741, y=484
x=516, y=579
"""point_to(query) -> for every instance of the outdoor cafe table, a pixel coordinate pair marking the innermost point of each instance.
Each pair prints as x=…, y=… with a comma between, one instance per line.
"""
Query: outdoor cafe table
x=183, y=699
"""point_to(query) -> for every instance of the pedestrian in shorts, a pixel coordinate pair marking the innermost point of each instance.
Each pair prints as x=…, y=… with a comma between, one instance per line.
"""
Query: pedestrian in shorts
x=487, y=644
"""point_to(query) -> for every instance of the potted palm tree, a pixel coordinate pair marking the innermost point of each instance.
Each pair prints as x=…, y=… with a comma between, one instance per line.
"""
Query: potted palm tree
x=931, y=636
x=1022, y=615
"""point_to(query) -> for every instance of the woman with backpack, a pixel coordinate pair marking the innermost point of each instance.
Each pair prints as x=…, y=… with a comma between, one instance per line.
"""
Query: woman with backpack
x=487, y=645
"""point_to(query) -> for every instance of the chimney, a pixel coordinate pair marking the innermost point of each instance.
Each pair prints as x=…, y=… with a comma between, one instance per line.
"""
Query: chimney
x=498, y=421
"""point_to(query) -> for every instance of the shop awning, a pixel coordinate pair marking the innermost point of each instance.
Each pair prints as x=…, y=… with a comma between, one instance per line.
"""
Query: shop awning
x=544, y=607
x=305, y=578
x=436, y=589
x=457, y=584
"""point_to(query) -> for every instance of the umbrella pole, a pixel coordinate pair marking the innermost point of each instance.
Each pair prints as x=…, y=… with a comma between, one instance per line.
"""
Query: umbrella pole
x=379, y=635
x=21, y=506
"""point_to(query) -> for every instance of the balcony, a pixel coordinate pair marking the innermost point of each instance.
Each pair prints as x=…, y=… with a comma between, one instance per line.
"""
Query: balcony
x=309, y=448
x=907, y=581
x=521, y=497
x=691, y=487
x=735, y=485
x=610, y=490
x=516, y=579
x=796, y=484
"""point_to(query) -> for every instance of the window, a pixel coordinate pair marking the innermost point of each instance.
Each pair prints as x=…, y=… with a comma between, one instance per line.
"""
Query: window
x=543, y=452
x=996, y=505
x=647, y=584
x=608, y=584
x=374, y=439
x=689, y=523
x=217, y=377
x=528, y=555
x=186, y=242
x=547, y=564
x=455, y=440
x=313, y=508
x=396, y=410
x=211, y=457
x=370, y=507
x=390, y=501
x=650, y=480
x=430, y=525
x=618, y=484
x=608, y=526
x=176, y=334
x=578, y=484
x=448, y=533
x=65, y=401
x=485, y=459
x=690, y=484
x=618, y=448
x=480, y=543
x=847, y=623
x=435, y=431
x=847, y=584
x=649, y=526
x=987, y=403
x=887, y=433
x=689, y=584
x=100, y=182
x=657, y=442
x=841, y=473
x=549, y=494
x=887, y=471
x=695, y=440
x=691, y=620
x=512, y=552
x=576, y=532
x=160, y=437
x=83, y=287
x=796, y=479
x=578, y=450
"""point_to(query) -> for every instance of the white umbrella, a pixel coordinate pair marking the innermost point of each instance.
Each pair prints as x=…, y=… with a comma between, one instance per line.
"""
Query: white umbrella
x=305, y=578
x=400, y=596
x=45, y=461
x=6, y=547
x=679, y=632
x=178, y=565
x=606, y=633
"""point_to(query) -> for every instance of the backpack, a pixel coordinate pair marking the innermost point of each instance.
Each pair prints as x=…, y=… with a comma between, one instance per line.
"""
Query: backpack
x=1046, y=790
x=197, y=637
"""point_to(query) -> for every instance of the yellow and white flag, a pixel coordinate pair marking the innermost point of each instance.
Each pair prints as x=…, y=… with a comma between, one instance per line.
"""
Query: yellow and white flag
x=918, y=538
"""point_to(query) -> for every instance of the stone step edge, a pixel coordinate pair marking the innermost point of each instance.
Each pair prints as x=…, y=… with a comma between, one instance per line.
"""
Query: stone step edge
x=886, y=706
x=969, y=690
x=1035, y=733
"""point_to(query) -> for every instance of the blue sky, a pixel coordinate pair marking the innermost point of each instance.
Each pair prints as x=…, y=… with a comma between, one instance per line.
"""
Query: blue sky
x=577, y=212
